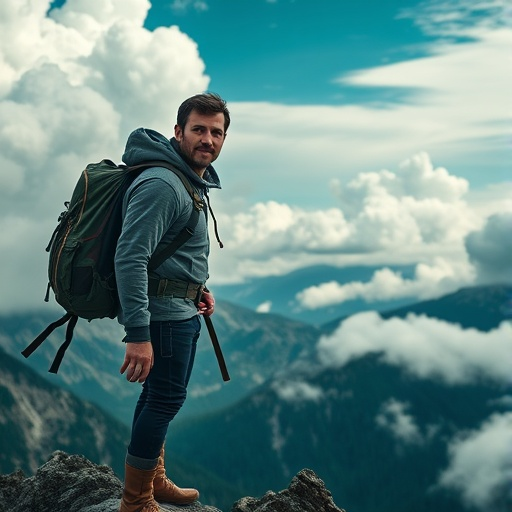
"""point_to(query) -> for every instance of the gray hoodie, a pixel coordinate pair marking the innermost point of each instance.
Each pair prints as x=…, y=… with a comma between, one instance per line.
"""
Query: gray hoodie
x=155, y=209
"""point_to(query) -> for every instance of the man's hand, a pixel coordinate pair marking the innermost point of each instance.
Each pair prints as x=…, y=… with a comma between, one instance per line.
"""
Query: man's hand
x=206, y=305
x=138, y=360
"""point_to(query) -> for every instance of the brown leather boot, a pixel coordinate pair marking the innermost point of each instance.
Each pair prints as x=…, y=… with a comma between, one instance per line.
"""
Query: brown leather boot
x=166, y=491
x=138, y=491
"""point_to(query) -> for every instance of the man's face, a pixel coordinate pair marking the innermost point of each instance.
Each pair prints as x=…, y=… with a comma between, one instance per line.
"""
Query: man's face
x=201, y=140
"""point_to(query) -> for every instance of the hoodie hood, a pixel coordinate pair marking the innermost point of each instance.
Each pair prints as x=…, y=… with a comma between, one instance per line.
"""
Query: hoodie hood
x=145, y=145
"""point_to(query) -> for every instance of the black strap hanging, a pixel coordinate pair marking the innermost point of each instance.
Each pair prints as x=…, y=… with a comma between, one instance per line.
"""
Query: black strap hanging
x=68, y=318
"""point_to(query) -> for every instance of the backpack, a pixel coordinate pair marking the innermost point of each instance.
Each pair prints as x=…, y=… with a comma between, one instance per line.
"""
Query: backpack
x=82, y=247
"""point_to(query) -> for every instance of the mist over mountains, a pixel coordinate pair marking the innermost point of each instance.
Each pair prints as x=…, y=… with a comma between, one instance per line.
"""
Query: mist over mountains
x=390, y=410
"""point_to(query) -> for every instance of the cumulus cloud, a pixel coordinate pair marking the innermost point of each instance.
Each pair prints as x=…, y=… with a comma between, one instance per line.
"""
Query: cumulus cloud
x=425, y=347
x=429, y=281
x=410, y=205
x=415, y=212
x=490, y=249
x=72, y=85
x=273, y=227
x=417, y=205
x=264, y=307
x=416, y=191
x=480, y=468
x=298, y=391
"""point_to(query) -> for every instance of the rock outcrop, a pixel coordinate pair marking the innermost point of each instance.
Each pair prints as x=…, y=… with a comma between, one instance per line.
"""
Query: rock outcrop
x=71, y=483
x=306, y=493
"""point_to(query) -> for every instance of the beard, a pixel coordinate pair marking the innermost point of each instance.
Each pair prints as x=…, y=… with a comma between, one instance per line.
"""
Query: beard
x=197, y=157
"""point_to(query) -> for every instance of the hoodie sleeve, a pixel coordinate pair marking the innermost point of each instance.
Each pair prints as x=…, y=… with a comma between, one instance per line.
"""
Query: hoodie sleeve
x=151, y=207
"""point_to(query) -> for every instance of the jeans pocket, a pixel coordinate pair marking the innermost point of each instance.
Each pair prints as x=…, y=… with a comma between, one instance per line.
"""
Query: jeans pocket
x=166, y=339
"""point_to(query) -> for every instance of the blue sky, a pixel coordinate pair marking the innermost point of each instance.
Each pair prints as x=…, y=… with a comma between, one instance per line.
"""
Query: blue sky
x=363, y=133
x=292, y=51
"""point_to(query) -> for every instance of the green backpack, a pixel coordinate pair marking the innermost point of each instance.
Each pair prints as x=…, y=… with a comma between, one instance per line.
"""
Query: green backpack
x=82, y=247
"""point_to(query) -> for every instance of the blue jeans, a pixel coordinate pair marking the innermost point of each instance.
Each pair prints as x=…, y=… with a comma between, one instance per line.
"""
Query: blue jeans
x=165, y=389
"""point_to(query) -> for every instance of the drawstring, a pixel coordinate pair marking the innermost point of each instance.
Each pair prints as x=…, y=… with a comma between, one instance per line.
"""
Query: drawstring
x=214, y=221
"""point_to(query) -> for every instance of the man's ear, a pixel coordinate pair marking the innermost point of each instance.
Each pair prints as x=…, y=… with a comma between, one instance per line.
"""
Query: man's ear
x=178, y=132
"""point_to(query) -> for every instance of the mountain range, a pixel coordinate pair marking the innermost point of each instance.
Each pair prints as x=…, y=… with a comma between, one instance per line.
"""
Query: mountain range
x=256, y=346
x=379, y=435
x=285, y=409
x=37, y=417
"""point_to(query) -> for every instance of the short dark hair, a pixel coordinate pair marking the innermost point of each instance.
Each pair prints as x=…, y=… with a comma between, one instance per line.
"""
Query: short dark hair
x=205, y=104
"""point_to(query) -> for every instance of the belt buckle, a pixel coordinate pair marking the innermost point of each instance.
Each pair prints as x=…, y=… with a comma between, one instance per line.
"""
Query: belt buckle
x=199, y=293
x=162, y=286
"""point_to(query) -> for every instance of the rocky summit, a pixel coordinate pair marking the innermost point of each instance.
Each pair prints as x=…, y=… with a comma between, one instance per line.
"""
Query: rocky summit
x=72, y=483
x=306, y=493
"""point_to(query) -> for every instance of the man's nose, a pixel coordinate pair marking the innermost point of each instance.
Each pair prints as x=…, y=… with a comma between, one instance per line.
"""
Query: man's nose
x=206, y=139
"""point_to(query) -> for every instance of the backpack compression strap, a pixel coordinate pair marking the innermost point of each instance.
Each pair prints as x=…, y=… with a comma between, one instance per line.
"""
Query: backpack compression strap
x=62, y=350
x=68, y=318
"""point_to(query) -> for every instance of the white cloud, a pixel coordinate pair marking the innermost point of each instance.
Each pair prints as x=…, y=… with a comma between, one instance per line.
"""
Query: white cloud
x=394, y=216
x=183, y=5
x=448, y=81
x=144, y=87
x=401, y=425
x=429, y=281
x=72, y=87
x=273, y=227
x=264, y=307
x=425, y=347
x=490, y=249
x=459, y=17
x=389, y=209
x=480, y=468
x=408, y=206
x=298, y=391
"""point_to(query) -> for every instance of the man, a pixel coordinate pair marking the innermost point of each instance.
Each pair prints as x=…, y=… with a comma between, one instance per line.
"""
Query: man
x=161, y=317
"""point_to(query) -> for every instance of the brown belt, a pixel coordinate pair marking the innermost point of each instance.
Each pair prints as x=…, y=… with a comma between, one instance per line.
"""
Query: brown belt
x=174, y=288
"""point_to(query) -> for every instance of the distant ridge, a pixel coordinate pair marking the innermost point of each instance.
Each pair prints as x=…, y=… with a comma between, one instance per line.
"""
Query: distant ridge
x=479, y=307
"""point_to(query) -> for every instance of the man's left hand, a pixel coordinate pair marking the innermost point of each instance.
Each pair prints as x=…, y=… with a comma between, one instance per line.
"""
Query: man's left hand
x=206, y=305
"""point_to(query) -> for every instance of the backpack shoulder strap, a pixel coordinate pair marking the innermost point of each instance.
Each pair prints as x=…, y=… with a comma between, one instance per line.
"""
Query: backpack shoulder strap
x=193, y=193
x=184, y=235
x=181, y=238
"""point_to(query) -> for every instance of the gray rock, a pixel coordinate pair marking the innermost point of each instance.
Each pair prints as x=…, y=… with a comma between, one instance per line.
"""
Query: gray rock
x=306, y=493
x=72, y=483
x=65, y=483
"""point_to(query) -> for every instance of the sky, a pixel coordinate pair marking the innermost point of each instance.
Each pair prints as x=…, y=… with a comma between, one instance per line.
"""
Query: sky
x=363, y=133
